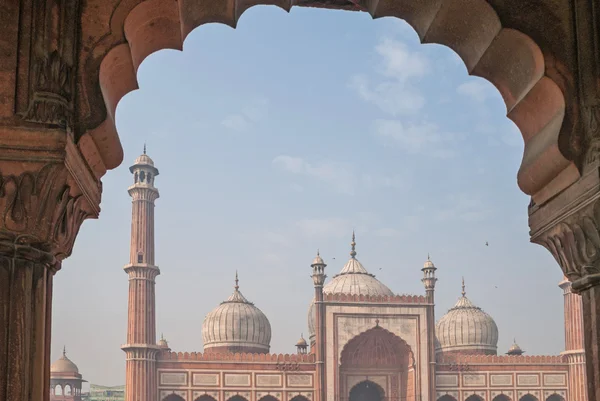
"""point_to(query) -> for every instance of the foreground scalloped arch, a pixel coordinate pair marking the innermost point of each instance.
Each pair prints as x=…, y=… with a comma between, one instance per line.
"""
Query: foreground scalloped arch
x=507, y=58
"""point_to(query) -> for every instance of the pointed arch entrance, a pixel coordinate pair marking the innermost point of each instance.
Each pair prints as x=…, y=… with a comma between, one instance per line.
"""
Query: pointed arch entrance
x=366, y=391
x=377, y=360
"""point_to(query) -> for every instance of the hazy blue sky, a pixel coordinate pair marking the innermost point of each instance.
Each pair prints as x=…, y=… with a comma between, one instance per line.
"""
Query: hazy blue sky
x=279, y=138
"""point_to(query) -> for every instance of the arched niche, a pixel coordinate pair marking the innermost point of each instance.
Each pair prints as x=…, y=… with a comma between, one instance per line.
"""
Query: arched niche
x=268, y=398
x=205, y=397
x=555, y=397
x=447, y=397
x=173, y=397
x=528, y=397
x=367, y=391
x=299, y=398
x=502, y=397
x=473, y=397
x=378, y=352
x=237, y=398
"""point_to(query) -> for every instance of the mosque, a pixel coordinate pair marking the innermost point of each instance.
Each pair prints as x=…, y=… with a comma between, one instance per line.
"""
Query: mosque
x=365, y=342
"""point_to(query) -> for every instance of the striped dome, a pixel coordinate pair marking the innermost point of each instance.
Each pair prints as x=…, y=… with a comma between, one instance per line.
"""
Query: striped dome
x=236, y=325
x=466, y=328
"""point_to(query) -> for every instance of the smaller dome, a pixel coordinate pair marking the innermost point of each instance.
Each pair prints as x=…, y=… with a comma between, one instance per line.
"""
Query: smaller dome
x=317, y=260
x=428, y=264
x=466, y=328
x=515, y=349
x=64, y=365
x=236, y=325
x=162, y=343
x=301, y=342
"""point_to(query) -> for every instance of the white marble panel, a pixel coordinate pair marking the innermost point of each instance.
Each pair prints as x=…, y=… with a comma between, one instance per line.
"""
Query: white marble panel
x=473, y=379
x=173, y=378
x=233, y=379
x=528, y=380
x=299, y=380
x=501, y=380
x=555, y=380
x=268, y=380
x=205, y=379
x=446, y=380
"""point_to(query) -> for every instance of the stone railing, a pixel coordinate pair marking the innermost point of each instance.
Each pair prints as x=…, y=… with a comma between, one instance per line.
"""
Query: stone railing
x=236, y=357
x=394, y=299
x=506, y=359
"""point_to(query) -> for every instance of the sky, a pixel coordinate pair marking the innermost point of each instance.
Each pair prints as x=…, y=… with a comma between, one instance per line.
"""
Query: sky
x=279, y=138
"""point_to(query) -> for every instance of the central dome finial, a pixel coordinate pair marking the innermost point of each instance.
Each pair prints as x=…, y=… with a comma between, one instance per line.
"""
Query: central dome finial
x=237, y=281
x=353, y=245
x=463, y=287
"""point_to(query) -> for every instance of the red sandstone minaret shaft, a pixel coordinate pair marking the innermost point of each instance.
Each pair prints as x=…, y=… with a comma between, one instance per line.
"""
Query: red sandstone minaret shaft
x=318, y=275
x=141, y=349
x=574, y=348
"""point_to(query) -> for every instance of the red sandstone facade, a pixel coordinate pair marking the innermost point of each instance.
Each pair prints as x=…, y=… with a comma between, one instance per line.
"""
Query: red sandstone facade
x=366, y=343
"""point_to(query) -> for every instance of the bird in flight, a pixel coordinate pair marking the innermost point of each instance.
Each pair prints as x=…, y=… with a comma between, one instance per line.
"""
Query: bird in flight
x=486, y=243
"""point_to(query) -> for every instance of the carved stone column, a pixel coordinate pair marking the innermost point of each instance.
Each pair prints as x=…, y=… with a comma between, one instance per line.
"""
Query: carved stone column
x=569, y=227
x=46, y=192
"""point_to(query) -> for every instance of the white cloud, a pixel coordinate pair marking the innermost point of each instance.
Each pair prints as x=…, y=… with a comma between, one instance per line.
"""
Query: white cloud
x=398, y=62
x=339, y=176
x=418, y=138
x=398, y=68
x=479, y=90
x=251, y=114
x=391, y=97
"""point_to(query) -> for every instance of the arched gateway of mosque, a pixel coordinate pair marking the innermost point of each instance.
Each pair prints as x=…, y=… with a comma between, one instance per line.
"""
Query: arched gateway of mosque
x=65, y=65
x=377, y=365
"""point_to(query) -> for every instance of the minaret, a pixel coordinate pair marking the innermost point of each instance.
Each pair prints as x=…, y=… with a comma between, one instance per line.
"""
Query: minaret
x=318, y=275
x=141, y=348
x=429, y=281
x=574, y=348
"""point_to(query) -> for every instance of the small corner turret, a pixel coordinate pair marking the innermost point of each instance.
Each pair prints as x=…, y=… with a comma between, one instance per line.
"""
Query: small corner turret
x=429, y=278
x=318, y=271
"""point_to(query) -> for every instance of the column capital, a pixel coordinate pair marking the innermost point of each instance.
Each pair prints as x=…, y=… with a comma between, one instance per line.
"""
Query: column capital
x=568, y=226
x=46, y=192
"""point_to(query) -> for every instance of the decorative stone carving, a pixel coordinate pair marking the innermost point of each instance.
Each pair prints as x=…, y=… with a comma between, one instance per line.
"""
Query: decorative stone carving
x=205, y=379
x=474, y=380
x=173, y=379
x=237, y=379
x=299, y=380
x=555, y=380
x=53, y=37
x=268, y=380
x=447, y=380
x=573, y=235
x=501, y=380
x=528, y=380
x=37, y=210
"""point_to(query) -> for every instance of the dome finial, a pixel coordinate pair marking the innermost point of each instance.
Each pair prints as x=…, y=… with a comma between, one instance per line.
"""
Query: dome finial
x=463, y=287
x=64, y=350
x=353, y=245
x=428, y=258
x=237, y=281
x=144, y=147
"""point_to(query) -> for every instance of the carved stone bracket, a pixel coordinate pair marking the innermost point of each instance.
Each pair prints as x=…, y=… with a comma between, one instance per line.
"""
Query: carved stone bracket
x=46, y=191
x=569, y=227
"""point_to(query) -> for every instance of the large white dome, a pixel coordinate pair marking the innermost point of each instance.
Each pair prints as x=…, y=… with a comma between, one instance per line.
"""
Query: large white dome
x=353, y=279
x=467, y=329
x=236, y=325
